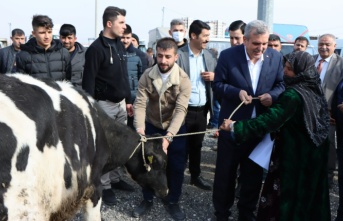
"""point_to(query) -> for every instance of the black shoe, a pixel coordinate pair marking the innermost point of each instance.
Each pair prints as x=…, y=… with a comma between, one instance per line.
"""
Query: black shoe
x=108, y=197
x=122, y=185
x=201, y=183
x=246, y=217
x=175, y=211
x=144, y=207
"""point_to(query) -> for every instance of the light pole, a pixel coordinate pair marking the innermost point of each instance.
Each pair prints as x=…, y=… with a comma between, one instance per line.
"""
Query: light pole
x=96, y=15
x=10, y=26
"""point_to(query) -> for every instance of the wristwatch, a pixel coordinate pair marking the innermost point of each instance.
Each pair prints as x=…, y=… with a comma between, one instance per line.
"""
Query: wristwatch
x=170, y=139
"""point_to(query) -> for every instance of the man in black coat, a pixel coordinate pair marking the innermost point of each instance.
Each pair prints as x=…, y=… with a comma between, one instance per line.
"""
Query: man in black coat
x=105, y=78
x=42, y=56
x=76, y=51
x=8, y=54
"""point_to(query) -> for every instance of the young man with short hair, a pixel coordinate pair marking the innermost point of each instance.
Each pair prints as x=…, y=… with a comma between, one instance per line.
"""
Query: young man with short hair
x=199, y=63
x=301, y=43
x=77, y=53
x=42, y=56
x=105, y=78
x=160, y=107
x=134, y=66
x=8, y=54
x=236, y=32
x=274, y=42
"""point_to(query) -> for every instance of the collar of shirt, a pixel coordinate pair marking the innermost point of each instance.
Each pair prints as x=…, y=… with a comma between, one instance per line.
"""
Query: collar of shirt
x=164, y=76
x=191, y=54
x=327, y=60
x=196, y=66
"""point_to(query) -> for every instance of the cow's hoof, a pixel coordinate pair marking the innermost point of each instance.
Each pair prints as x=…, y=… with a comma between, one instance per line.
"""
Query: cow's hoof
x=144, y=207
x=108, y=197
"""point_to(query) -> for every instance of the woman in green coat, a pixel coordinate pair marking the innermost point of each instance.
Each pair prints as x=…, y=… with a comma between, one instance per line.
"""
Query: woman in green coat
x=296, y=187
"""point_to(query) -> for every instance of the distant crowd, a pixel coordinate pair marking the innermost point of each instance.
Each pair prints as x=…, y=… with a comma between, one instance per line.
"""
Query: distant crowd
x=285, y=134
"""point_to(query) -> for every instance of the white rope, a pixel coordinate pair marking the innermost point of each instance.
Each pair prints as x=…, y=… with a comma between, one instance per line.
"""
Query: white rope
x=145, y=139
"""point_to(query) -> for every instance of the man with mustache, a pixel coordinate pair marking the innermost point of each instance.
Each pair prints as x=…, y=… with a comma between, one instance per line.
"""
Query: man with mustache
x=251, y=69
x=199, y=63
x=160, y=107
x=8, y=54
x=330, y=69
x=76, y=51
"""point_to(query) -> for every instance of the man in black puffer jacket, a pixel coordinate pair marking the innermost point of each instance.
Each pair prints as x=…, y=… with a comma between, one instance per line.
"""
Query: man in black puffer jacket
x=42, y=56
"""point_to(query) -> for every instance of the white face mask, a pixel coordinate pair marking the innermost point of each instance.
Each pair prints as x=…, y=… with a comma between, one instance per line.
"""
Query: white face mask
x=178, y=36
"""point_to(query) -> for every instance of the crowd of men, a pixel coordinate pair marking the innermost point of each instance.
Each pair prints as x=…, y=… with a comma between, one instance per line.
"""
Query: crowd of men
x=171, y=92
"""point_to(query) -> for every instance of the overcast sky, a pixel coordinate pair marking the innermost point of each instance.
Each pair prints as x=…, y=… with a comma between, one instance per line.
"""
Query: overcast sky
x=144, y=15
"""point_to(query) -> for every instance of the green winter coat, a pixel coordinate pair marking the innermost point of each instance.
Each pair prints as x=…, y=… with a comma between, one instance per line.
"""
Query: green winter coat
x=296, y=188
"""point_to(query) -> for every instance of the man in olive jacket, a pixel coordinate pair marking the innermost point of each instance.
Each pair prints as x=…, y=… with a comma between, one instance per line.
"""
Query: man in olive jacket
x=160, y=107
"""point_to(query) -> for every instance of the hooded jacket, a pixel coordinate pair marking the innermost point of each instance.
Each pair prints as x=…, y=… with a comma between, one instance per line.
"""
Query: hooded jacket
x=40, y=63
x=105, y=74
x=134, y=69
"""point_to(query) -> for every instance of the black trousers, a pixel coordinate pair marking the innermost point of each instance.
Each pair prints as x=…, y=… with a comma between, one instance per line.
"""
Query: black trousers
x=196, y=120
x=228, y=157
x=340, y=171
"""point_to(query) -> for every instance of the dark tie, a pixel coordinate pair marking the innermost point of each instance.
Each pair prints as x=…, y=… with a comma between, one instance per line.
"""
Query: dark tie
x=320, y=66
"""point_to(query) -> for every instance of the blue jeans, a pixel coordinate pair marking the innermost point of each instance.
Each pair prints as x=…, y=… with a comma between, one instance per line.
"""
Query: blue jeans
x=214, y=118
x=175, y=164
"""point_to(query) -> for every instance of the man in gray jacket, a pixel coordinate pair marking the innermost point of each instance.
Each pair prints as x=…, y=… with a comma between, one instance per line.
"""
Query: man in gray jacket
x=8, y=54
x=330, y=69
x=76, y=51
x=199, y=63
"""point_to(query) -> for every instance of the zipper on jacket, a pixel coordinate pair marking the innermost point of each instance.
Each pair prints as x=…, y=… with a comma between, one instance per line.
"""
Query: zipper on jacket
x=47, y=64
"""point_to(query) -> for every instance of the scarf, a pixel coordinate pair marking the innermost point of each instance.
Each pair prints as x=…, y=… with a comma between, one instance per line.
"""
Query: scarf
x=307, y=84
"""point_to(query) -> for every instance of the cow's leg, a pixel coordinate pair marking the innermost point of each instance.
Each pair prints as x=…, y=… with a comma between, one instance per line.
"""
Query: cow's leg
x=92, y=213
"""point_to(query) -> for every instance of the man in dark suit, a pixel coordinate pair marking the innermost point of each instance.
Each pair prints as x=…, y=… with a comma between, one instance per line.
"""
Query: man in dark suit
x=330, y=68
x=199, y=63
x=246, y=70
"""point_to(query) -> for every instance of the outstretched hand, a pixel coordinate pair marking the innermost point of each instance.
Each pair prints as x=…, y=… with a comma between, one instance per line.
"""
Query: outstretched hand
x=226, y=125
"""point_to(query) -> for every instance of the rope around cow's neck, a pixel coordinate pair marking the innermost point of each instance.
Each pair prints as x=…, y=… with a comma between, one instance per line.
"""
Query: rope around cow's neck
x=144, y=139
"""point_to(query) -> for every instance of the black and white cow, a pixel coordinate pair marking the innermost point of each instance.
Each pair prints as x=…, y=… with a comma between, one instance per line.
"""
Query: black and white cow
x=55, y=143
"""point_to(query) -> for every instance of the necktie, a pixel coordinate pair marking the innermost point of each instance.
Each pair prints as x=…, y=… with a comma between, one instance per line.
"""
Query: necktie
x=320, y=66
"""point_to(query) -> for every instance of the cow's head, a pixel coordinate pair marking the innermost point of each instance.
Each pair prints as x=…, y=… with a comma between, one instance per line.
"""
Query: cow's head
x=150, y=171
x=122, y=142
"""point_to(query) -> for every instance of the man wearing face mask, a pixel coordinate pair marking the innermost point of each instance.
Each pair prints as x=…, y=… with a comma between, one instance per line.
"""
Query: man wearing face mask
x=178, y=32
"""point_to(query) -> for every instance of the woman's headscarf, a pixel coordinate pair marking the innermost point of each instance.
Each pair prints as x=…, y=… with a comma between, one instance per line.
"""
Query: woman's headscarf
x=307, y=84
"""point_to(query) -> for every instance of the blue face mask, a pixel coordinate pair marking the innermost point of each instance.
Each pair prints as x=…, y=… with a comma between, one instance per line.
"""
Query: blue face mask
x=178, y=36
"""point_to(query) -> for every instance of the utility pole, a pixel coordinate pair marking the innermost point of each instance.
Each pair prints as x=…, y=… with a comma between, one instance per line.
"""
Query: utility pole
x=10, y=26
x=96, y=16
x=266, y=12
x=162, y=17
